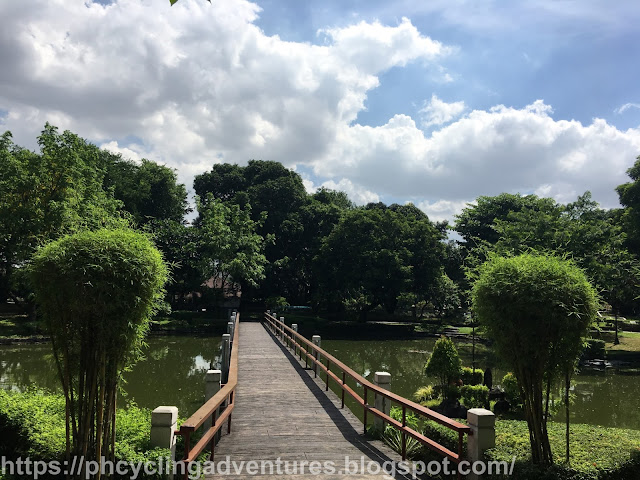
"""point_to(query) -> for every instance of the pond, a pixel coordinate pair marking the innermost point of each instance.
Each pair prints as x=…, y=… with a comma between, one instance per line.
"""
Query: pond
x=173, y=374
x=608, y=398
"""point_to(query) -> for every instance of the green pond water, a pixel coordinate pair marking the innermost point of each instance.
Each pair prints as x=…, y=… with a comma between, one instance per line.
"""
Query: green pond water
x=174, y=368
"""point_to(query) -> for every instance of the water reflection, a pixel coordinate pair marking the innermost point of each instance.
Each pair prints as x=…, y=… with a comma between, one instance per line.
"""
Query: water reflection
x=172, y=372
x=608, y=398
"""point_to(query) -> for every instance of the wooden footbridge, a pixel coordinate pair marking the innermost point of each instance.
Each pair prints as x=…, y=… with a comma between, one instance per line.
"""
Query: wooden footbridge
x=276, y=416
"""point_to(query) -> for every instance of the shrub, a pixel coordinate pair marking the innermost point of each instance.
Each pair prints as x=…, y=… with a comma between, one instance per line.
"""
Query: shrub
x=444, y=363
x=474, y=396
x=444, y=436
x=32, y=424
x=469, y=377
x=511, y=389
x=393, y=436
x=595, y=348
x=276, y=303
x=97, y=292
x=425, y=394
x=536, y=309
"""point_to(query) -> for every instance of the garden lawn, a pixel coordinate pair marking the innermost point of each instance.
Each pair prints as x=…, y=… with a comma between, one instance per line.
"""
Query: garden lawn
x=596, y=452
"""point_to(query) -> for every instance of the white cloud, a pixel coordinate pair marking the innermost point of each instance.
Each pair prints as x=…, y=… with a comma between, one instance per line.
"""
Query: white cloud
x=356, y=193
x=626, y=107
x=134, y=153
x=442, y=209
x=200, y=83
x=437, y=112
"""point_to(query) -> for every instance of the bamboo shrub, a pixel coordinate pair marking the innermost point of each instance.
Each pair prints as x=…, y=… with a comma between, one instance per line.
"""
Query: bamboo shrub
x=537, y=310
x=96, y=292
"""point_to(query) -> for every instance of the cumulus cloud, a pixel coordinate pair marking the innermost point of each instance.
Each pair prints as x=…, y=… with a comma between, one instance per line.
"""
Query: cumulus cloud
x=437, y=112
x=485, y=153
x=356, y=193
x=200, y=83
x=442, y=209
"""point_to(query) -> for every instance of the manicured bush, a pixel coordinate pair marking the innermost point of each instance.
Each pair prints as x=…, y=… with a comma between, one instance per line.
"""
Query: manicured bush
x=96, y=291
x=511, y=389
x=471, y=377
x=444, y=364
x=32, y=424
x=537, y=310
x=474, y=396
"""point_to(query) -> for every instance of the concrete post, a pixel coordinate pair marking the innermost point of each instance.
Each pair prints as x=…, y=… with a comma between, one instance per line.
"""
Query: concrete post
x=230, y=326
x=213, y=380
x=383, y=404
x=294, y=327
x=164, y=421
x=316, y=341
x=226, y=357
x=483, y=434
x=282, y=332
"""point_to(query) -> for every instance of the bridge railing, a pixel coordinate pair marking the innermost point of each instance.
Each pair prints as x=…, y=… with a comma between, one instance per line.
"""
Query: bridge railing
x=316, y=355
x=218, y=408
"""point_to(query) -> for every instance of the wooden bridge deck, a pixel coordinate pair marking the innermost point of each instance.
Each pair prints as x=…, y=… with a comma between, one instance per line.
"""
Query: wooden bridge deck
x=283, y=412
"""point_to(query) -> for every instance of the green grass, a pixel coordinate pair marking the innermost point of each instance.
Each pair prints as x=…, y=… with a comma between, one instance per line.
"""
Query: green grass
x=596, y=452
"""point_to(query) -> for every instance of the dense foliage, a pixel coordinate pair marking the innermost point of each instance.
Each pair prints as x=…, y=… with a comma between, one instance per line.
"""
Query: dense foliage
x=537, y=310
x=32, y=424
x=444, y=364
x=97, y=292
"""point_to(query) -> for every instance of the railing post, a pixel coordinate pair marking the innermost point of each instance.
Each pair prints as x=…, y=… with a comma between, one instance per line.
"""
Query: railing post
x=382, y=403
x=230, y=329
x=483, y=435
x=316, y=341
x=164, y=420
x=294, y=327
x=213, y=380
x=226, y=357
x=282, y=330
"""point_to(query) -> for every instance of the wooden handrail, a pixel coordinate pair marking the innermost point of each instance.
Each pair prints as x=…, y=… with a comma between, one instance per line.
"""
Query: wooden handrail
x=311, y=351
x=208, y=410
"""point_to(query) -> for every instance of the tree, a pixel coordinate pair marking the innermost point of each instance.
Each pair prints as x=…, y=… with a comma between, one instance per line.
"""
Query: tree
x=629, y=194
x=536, y=309
x=373, y=256
x=96, y=291
x=47, y=194
x=148, y=191
x=444, y=364
x=231, y=249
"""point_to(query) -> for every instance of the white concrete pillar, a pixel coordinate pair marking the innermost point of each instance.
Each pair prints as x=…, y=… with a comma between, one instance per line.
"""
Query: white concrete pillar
x=294, y=327
x=483, y=434
x=226, y=357
x=316, y=340
x=212, y=385
x=164, y=421
x=230, y=329
x=383, y=404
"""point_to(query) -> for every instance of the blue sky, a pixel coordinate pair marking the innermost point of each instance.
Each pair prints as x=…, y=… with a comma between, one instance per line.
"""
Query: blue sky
x=430, y=102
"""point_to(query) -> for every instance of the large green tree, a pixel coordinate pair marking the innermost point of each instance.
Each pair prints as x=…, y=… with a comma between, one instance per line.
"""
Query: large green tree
x=46, y=194
x=374, y=255
x=149, y=191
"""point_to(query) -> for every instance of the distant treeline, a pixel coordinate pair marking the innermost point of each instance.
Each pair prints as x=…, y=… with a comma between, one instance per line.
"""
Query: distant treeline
x=257, y=229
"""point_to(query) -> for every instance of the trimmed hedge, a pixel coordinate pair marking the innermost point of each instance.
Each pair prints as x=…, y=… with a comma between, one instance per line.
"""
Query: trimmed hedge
x=32, y=424
x=469, y=377
x=475, y=396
